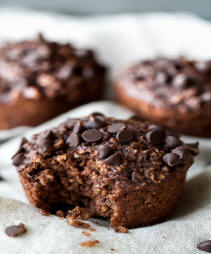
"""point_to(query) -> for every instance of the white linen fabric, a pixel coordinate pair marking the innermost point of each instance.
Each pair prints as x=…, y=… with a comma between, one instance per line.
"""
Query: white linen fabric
x=119, y=40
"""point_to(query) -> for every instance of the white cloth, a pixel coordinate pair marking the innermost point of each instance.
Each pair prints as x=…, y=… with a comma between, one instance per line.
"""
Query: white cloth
x=119, y=40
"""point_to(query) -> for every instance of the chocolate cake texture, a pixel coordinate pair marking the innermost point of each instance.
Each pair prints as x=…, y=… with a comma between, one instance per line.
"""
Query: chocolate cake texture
x=127, y=171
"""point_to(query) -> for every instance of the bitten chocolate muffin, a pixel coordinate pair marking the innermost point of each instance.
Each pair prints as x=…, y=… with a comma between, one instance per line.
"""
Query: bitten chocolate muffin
x=129, y=172
x=174, y=92
x=40, y=79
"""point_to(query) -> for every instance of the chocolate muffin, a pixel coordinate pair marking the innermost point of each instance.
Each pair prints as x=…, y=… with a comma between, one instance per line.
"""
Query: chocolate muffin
x=127, y=171
x=40, y=79
x=174, y=92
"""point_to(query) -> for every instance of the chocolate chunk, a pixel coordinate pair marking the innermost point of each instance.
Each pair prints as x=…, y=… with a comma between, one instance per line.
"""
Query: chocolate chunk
x=193, y=148
x=182, y=152
x=172, y=142
x=205, y=246
x=18, y=159
x=92, y=135
x=103, y=151
x=78, y=127
x=113, y=160
x=155, y=137
x=114, y=128
x=171, y=159
x=1, y=178
x=73, y=140
x=14, y=231
x=94, y=123
x=155, y=127
x=124, y=136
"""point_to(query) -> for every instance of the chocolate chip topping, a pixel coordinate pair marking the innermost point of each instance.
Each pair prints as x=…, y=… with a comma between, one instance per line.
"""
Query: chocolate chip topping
x=193, y=148
x=154, y=127
x=94, y=123
x=172, y=142
x=113, y=160
x=124, y=136
x=155, y=137
x=14, y=231
x=78, y=127
x=146, y=152
x=171, y=159
x=114, y=128
x=40, y=68
x=103, y=151
x=18, y=159
x=73, y=140
x=92, y=135
x=169, y=83
x=205, y=246
x=182, y=152
x=46, y=141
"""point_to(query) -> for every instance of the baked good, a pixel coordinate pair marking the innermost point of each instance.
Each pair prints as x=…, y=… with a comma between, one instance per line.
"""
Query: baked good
x=127, y=171
x=174, y=92
x=40, y=79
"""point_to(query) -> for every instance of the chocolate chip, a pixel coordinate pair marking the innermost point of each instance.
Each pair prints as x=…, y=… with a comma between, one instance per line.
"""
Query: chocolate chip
x=83, y=53
x=114, y=128
x=135, y=117
x=124, y=136
x=172, y=142
x=46, y=142
x=94, y=123
x=155, y=127
x=171, y=159
x=182, y=152
x=193, y=148
x=203, y=66
x=113, y=160
x=205, y=246
x=97, y=114
x=88, y=72
x=1, y=178
x=206, y=97
x=161, y=78
x=73, y=140
x=92, y=135
x=45, y=145
x=155, y=137
x=14, y=231
x=182, y=80
x=103, y=151
x=78, y=127
x=18, y=159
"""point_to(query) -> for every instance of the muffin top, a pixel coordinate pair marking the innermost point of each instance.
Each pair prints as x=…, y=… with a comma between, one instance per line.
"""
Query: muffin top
x=121, y=150
x=40, y=68
x=179, y=83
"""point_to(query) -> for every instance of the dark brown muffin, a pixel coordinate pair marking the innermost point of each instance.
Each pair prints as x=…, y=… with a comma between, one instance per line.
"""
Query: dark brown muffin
x=129, y=172
x=174, y=92
x=41, y=79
